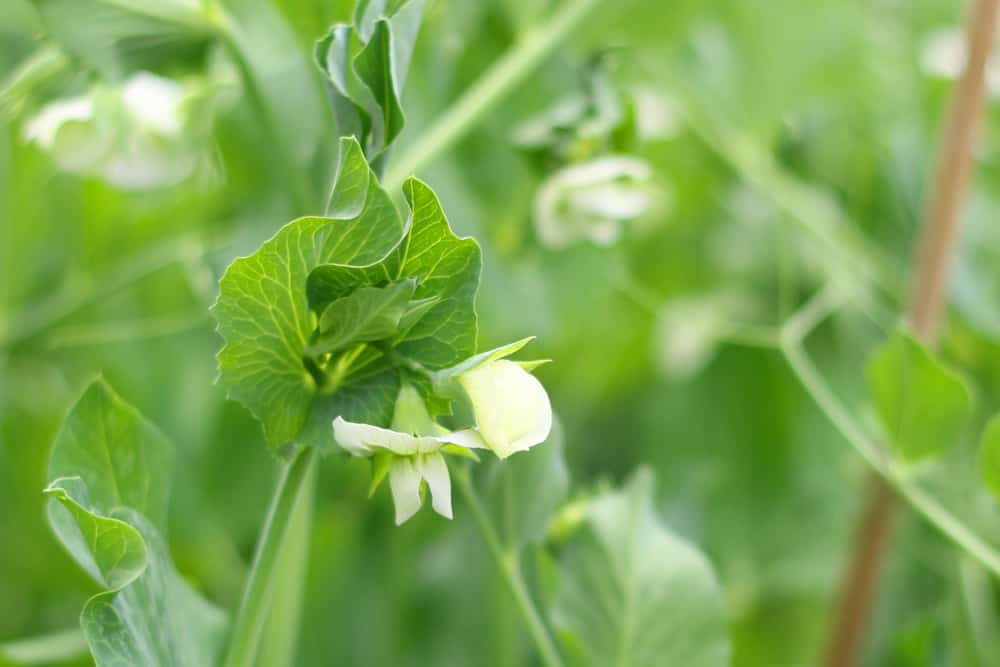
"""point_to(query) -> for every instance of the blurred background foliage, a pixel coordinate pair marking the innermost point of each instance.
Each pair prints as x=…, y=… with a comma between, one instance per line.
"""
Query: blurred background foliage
x=754, y=124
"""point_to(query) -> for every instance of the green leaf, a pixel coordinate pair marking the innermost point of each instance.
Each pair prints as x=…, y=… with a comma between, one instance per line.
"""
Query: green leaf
x=367, y=314
x=989, y=456
x=365, y=65
x=633, y=594
x=147, y=615
x=110, y=550
x=922, y=404
x=263, y=312
x=120, y=457
x=117, y=37
x=447, y=270
x=526, y=490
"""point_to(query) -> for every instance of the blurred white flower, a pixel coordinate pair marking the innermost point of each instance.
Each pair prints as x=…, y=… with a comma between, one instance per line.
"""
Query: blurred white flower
x=133, y=136
x=591, y=200
x=944, y=55
x=657, y=116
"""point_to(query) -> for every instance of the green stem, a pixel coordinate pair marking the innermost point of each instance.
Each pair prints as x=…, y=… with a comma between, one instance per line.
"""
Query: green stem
x=289, y=496
x=279, y=642
x=799, y=326
x=510, y=568
x=488, y=90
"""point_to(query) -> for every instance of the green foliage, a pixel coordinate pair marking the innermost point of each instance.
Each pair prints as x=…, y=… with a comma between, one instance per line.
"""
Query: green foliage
x=361, y=276
x=365, y=64
x=989, y=456
x=923, y=404
x=631, y=593
x=120, y=458
x=114, y=37
x=147, y=614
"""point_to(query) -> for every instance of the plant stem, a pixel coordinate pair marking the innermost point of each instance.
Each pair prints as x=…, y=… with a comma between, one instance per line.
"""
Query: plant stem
x=510, y=568
x=934, y=258
x=491, y=88
x=256, y=603
x=279, y=642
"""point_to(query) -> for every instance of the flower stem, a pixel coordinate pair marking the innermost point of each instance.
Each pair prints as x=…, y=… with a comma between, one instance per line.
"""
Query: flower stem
x=291, y=497
x=490, y=89
x=510, y=568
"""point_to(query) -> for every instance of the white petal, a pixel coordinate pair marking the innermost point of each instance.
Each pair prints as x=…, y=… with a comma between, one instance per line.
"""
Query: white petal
x=404, y=481
x=512, y=409
x=433, y=468
x=154, y=101
x=468, y=438
x=363, y=439
x=43, y=127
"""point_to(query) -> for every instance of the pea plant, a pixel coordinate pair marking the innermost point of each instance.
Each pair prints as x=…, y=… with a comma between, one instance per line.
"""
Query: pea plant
x=350, y=338
x=352, y=332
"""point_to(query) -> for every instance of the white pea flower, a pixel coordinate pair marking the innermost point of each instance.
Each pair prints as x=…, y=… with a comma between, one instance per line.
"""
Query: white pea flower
x=511, y=407
x=135, y=136
x=410, y=452
x=512, y=414
x=591, y=200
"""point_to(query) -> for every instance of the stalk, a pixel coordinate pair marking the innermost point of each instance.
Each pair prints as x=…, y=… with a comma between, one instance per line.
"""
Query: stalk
x=510, y=569
x=291, y=497
x=943, y=211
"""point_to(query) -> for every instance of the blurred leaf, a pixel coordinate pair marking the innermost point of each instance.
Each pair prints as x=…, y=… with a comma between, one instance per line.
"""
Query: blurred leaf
x=262, y=309
x=633, y=594
x=55, y=648
x=280, y=75
x=147, y=615
x=110, y=35
x=120, y=458
x=526, y=490
x=989, y=455
x=365, y=66
x=923, y=405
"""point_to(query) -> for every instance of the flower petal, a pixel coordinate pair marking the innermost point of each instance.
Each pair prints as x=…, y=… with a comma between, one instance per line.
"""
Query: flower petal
x=404, y=481
x=512, y=409
x=433, y=468
x=364, y=439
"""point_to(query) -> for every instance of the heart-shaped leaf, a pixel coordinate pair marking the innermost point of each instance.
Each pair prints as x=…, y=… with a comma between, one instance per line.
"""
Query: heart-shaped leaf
x=262, y=309
x=923, y=404
x=633, y=594
x=147, y=614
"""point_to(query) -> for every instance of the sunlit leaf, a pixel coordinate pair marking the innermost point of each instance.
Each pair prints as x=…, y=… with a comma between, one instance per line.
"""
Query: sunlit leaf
x=367, y=314
x=633, y=594
x=923, y=404
x=263, y=312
